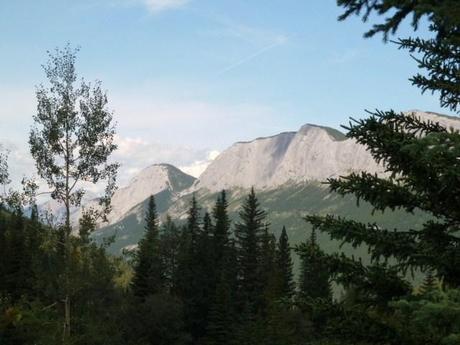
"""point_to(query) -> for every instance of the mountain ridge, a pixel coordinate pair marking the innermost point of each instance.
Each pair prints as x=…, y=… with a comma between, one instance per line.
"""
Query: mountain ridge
x=290, y=165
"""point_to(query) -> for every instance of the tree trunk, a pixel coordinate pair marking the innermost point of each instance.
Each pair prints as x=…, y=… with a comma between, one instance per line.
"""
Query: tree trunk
x=66, y=331
x=68, y=249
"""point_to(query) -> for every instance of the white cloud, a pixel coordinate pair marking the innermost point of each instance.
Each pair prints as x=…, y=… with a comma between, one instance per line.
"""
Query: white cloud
x=198, y=167
x=135, y=154
x=156, y=6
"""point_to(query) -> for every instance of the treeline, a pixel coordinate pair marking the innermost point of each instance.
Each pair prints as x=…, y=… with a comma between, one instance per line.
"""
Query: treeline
x=209, y=281
x=206, y=282
x=234, y=283
x=34, y=270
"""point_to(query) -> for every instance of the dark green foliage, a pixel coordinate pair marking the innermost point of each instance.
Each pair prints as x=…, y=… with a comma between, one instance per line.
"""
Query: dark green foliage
x=170, y=240
x=285, y=265
x=193, y=223
x=314, y=279
x=414, y=184
x=194, y=277
x=221, y=228
x=248, y=233
x=221, y=316
x=429, y=284
x=148, y=271
x=269, y=274
x=285, y=204
x=28, y=322
x=421, y=161
x=30, y=292
x=158, y=320
x=433, y=318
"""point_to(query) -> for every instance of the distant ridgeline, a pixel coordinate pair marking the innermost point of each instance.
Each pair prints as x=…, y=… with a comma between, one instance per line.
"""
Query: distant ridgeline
x=286, y=170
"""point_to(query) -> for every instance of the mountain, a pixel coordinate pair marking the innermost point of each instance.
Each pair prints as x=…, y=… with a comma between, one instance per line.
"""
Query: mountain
x=164, y=181
x=287, y=171
x=313, y=153
x=152, y=180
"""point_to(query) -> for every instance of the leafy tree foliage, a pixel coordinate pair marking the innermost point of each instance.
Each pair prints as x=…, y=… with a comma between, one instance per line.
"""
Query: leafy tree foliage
x=71, y=142
x=433, y=318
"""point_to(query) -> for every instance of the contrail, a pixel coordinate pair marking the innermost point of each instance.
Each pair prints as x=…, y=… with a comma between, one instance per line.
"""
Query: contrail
x=250, y=57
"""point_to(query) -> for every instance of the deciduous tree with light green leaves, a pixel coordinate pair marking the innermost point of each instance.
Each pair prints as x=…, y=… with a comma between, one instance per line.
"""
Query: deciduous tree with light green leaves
x=71, y=142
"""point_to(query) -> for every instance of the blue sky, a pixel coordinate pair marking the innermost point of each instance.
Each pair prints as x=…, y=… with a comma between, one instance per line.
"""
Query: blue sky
x=189, y=77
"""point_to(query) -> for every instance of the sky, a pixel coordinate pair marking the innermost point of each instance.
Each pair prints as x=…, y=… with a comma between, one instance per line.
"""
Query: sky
x=188, y=78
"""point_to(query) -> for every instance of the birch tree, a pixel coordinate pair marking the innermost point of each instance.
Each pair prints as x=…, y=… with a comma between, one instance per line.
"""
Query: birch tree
x=71, y=141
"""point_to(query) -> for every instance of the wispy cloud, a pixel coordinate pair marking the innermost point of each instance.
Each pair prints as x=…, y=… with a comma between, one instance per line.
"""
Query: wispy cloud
x=229, y=28
x=280, y=40
x=260, y=40
x=155, y=6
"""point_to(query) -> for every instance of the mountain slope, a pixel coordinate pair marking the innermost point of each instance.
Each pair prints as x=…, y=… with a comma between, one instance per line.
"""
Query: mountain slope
x=313, y=153
x=286, y=170
x=152, y=180
x=287, y=205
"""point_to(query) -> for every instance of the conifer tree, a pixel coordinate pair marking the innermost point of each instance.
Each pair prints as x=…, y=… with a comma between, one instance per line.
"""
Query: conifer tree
x=193, y=223
x=429, y=283
x=420, y=157
x=221, y=227
x=17, y=257
x=191, y=276
x=270, y=277
x=219, y=329
x=170, y=241
x=314, y=273
x=204, y=277
x=248, y=233
x=148, y=271
x=222, y=312
x=285, y=265
x=220, y=274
